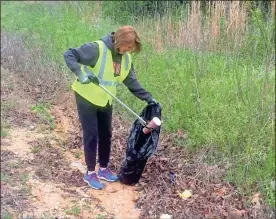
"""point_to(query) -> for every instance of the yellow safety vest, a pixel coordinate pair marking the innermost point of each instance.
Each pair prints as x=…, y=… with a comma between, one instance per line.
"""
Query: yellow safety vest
x=104, y=71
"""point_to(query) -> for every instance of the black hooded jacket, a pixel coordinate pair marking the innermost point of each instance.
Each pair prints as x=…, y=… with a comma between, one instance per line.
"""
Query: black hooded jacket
x=88, y=54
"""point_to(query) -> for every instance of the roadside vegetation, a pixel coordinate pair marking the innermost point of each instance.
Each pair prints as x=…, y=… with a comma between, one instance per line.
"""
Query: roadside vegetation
x=211, y=67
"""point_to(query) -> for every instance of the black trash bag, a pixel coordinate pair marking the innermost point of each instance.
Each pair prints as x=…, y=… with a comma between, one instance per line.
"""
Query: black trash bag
x=140, y=146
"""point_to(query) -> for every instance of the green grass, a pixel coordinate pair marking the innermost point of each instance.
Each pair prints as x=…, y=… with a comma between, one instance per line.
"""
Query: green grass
x=54, y=29
x=73, y=211
x=78, y=154
x=24, y=177
x=5, y=124
x=6, y=215
x=14, y=164
x=42, y=110
x=4, y=133
x=36, y=149
x=4, y=177
x=226, y=100
x=26, y=190
x=99, y=216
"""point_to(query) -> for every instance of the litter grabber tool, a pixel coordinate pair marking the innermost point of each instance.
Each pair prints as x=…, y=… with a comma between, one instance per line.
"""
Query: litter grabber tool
x=143, y=122
x=155, y=122
x=94, y=80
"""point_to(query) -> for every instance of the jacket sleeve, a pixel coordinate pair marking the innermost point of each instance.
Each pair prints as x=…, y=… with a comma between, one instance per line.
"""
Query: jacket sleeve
x=134, y=86
x=87, y=54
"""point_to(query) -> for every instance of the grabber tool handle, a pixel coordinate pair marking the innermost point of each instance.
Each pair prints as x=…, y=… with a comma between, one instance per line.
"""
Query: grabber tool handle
x=96, y=82
x=143, y=122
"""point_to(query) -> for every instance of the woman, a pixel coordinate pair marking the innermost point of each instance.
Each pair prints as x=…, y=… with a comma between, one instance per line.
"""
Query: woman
x=108, y=62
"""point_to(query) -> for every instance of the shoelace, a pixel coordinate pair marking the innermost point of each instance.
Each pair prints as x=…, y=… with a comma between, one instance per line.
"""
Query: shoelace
x=94, y=176
x=107, y=171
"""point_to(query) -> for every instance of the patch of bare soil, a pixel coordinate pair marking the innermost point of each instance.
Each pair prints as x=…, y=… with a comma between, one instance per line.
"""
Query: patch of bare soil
x=116, y=198
x=39, y=183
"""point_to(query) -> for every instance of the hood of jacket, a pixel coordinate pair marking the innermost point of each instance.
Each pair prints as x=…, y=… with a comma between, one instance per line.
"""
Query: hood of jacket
x=109, y=42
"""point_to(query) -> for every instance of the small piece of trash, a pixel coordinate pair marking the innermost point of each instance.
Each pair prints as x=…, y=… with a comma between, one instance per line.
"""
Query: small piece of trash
x=76, y=164
x=79, y=166
x=186, y=194
x=172, y=179
x=32, y=127
x=165, y=216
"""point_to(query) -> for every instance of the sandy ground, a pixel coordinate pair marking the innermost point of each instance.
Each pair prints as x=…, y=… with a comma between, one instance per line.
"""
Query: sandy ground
x=115, y=199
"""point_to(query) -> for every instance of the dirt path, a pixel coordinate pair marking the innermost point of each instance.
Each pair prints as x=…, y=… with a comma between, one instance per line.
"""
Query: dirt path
x=56, y=199
x=116, y=198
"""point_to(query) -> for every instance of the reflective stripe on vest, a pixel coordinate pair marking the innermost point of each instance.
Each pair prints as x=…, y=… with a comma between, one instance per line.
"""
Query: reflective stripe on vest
x=101, y=72
x=102, y=82
x=126, y=62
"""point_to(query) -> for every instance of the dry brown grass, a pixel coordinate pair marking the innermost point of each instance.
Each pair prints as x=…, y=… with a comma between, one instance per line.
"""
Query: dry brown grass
x=158, y=41
x=192, y=27
x=90, y=12
x=195, y=31
x=273, y=9
x=39, y=76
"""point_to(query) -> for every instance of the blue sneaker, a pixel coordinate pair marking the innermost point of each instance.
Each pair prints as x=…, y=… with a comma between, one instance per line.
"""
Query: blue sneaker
x=107, y=175
x=93, y=181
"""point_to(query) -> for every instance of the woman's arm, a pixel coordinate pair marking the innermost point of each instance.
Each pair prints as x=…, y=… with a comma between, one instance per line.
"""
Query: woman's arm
x=87, y=54
x=135, y=88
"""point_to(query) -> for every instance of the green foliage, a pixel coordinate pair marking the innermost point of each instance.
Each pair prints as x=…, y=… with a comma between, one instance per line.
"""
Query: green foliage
x=124, y=12
x=260, y=38
x=41, y=110
x=78, y=154
x=24, y=177
x=4, y=177
x=100, y=216
x=53, y=28
x=73, y=211
x=36, y=149
x=13, y=164
x=4, y=132
x=6, y=215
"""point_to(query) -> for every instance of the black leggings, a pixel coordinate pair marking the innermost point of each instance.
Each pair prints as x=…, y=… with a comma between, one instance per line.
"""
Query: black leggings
x=96, y=127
